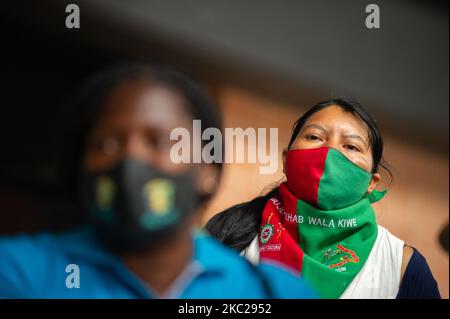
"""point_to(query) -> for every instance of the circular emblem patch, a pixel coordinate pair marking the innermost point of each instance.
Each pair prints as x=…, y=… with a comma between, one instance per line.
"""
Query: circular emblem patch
x=266, y=233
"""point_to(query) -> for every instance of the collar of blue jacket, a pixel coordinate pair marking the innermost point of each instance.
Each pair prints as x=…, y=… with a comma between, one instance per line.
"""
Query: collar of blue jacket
x=75, y=265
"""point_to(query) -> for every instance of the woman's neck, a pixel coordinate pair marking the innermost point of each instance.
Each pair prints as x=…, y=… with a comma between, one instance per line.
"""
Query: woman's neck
x=160, y=267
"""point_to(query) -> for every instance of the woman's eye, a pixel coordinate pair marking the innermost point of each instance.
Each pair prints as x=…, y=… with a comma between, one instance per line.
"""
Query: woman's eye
x=351, y=148
x=312, y=137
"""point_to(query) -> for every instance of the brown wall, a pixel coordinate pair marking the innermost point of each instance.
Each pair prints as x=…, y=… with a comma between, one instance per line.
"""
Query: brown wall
x=415, y=210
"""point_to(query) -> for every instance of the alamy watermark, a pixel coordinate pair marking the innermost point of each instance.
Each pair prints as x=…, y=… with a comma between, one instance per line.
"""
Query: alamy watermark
x=373, y=18
x=73, y=17
x=73, y=277
x=259, y=148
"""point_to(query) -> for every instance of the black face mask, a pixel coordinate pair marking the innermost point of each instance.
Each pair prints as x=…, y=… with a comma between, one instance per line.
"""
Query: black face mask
x=135, y=206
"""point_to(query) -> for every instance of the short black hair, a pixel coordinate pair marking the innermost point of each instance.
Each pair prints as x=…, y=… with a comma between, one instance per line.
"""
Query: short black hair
x=82, y=111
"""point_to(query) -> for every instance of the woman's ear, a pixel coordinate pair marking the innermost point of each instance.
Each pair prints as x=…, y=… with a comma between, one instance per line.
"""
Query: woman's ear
x=376, y=178
x=284, y=160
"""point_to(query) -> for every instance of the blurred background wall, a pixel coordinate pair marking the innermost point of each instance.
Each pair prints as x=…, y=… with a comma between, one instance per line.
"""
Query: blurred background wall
x=264, y=62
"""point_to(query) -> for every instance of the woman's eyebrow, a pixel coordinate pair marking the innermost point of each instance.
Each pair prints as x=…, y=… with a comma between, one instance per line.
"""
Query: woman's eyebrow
x=314, y=126
x=357, y=137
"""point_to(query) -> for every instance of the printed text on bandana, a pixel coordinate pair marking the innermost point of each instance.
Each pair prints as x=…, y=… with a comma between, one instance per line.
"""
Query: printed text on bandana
x=316, y=221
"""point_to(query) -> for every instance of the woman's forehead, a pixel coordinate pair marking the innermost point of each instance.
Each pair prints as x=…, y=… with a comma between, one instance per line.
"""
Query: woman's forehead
x=336, y=118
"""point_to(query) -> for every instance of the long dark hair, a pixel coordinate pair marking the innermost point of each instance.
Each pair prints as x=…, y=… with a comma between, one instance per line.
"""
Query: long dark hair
x=238, y=225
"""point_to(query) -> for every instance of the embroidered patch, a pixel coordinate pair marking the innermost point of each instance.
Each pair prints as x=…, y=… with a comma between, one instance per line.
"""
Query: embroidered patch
x=266, y=233
x=345, y=255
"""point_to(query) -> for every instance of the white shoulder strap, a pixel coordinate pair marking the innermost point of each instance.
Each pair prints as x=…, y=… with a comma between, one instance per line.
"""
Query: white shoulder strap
x=380, y=276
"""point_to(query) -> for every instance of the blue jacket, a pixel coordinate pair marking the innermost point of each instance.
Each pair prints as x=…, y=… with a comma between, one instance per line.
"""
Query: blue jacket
x=36, y=266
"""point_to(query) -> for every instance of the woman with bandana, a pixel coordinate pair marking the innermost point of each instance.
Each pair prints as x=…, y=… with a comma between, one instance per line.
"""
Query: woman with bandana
x=140, y=239
x=320, y=222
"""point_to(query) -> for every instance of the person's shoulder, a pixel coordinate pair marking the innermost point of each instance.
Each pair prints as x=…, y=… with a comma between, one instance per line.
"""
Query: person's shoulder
x=418, y=280
x=26, y=259
x=225, y=274
x=286, y=283
x=22, y=247
x=282, y=282
x=214, y=254
x=23, y=257
x=31, y=246
x=408, y=252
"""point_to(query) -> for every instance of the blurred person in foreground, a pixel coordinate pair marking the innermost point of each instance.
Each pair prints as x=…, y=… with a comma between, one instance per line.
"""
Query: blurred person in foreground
x=320, y=221
x=141, y=239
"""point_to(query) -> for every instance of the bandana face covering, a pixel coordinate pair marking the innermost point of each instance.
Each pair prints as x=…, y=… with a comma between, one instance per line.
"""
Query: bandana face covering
x=321, y=223
x=327, y=179
x=135, y=206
